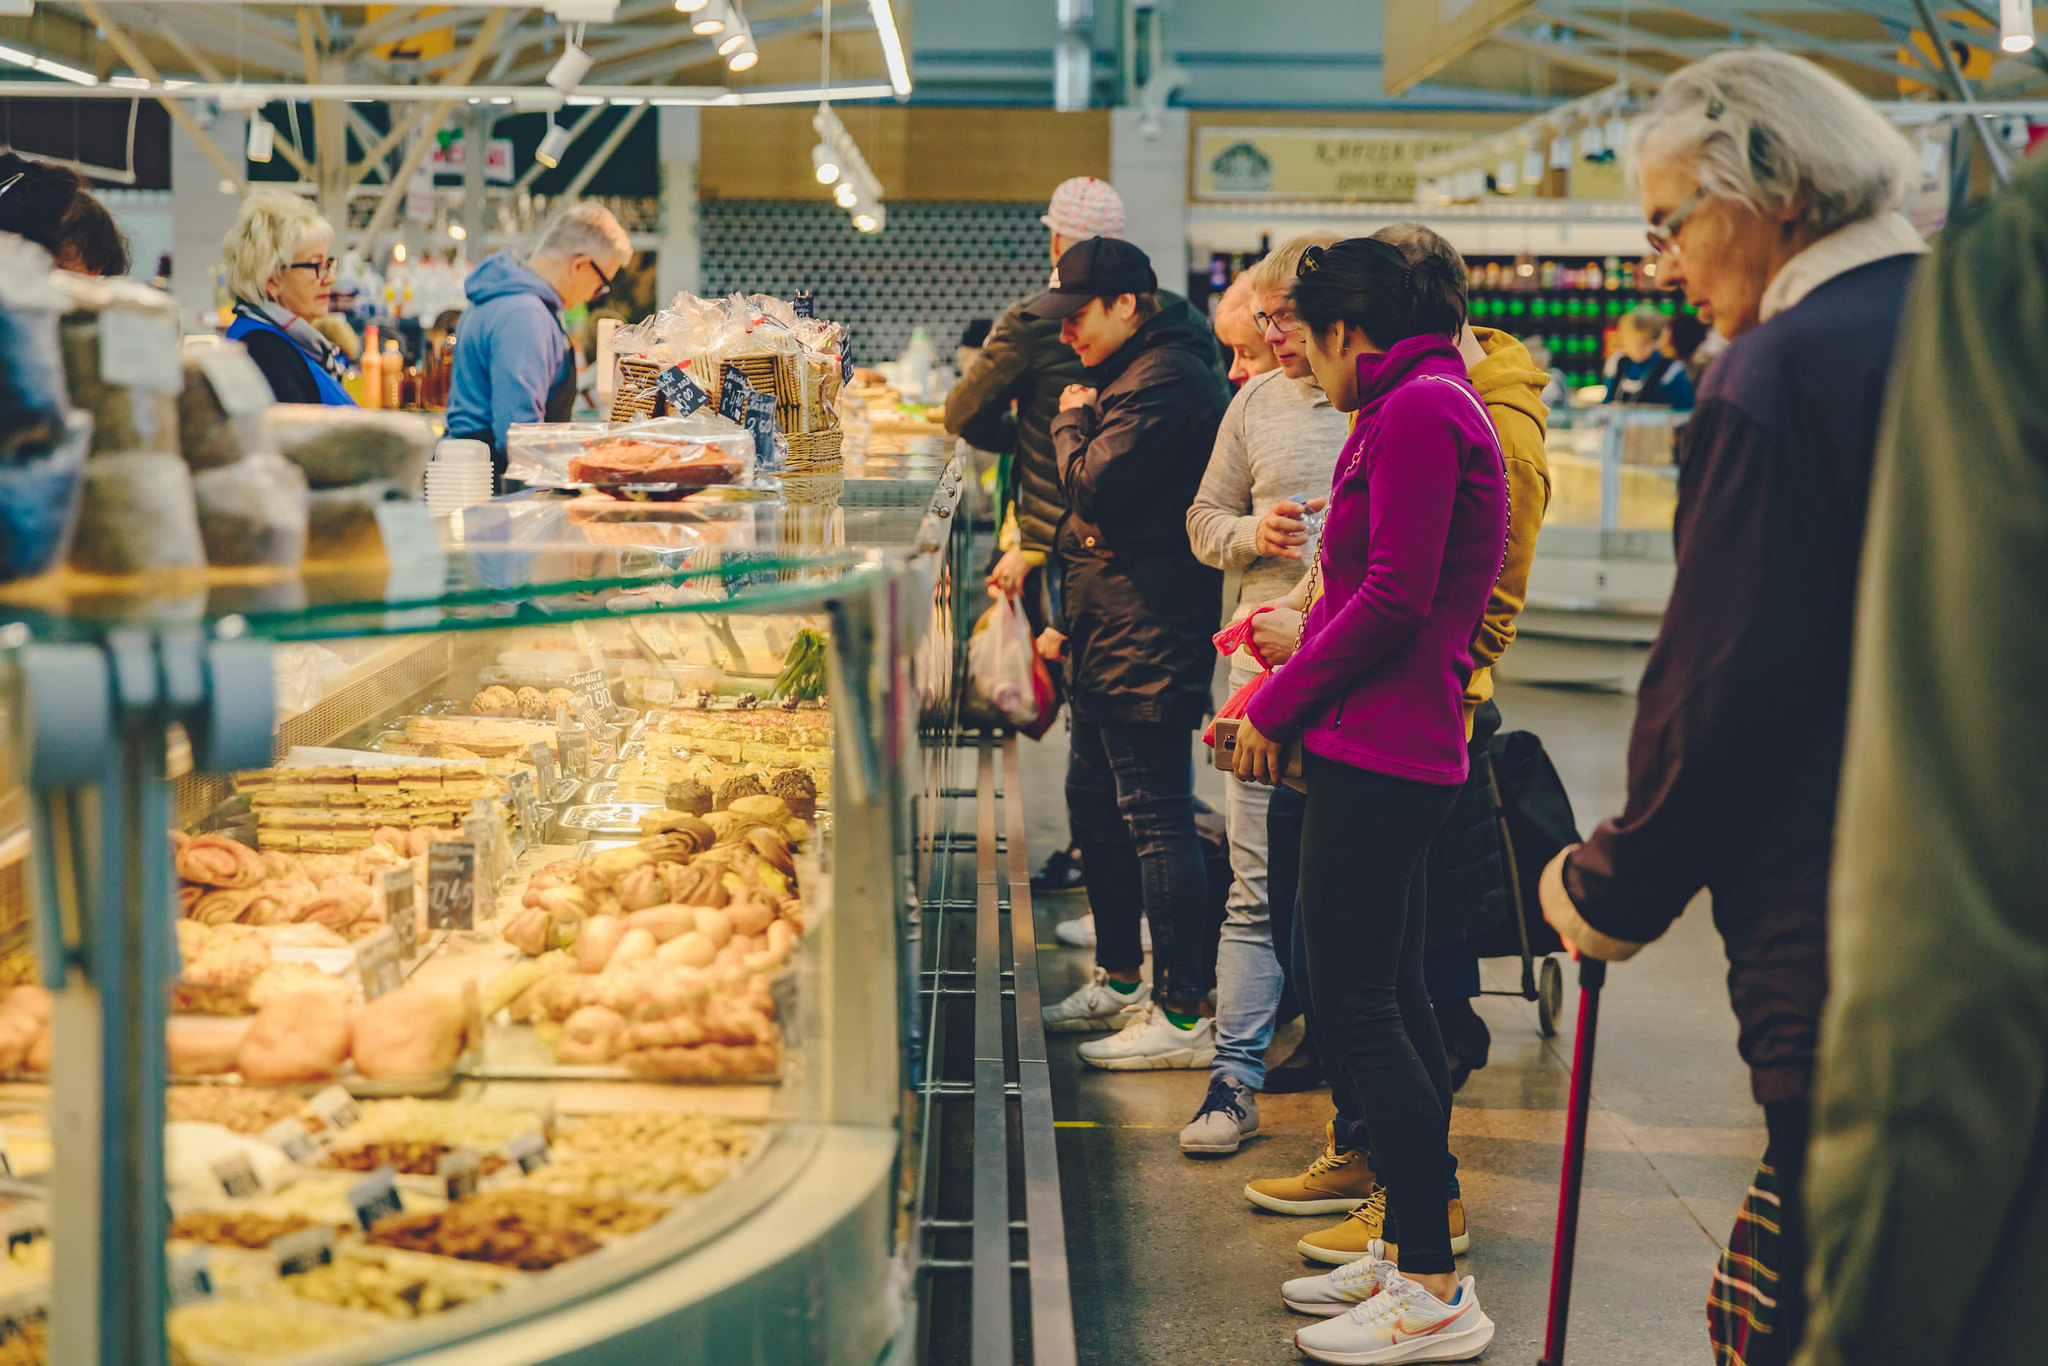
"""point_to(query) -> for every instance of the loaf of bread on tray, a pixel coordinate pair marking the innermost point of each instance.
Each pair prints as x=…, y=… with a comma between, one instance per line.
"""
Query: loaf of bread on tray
x=623, y=460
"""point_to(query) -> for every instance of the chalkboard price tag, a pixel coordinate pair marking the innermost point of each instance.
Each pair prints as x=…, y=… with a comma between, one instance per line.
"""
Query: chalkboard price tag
x=543, y=765
x=846, y=355
x=803, y=305
x=529, y=1151
x=375, y=1197
x=591, y=689
x=684, y=395
x=733, y=394
x=237, y=1176
x=451, y=884
x=395, y=885
x=460, y=1171
x=191, y=1276
x=289, y=1136
x=760, y=420
x=379, y=965
x=297, y=1253
x=336, y=1108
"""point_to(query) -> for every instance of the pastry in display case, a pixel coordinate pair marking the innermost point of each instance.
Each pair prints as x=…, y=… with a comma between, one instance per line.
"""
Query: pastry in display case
x=538, y=960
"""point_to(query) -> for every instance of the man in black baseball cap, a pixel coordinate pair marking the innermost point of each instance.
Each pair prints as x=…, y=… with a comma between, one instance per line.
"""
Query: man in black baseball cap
x=1137, y=612
x=1098, y=268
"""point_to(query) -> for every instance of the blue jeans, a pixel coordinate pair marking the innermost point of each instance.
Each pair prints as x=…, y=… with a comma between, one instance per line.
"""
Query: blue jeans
x=1249, y=980
x=1283, y=878
x=1131, y=798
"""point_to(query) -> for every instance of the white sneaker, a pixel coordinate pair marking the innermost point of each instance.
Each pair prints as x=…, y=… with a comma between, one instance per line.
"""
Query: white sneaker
x=1403, y=1322
x=1097, y=1005
x=1079, y=932
x=1336, y=1291
x=1151, y=1042
x=1229, y=1115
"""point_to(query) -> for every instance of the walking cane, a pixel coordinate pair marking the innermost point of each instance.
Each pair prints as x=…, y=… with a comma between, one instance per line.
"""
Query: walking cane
x=1592, y=975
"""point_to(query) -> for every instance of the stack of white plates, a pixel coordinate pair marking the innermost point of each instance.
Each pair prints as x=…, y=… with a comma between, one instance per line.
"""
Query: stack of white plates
x=459, y=476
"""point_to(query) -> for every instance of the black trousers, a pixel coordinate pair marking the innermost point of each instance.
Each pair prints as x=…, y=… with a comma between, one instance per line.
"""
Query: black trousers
x=1131, y=798
x=1363, y=906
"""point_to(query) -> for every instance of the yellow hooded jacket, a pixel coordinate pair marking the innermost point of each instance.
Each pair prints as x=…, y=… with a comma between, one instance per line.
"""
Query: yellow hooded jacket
x=1510, y=383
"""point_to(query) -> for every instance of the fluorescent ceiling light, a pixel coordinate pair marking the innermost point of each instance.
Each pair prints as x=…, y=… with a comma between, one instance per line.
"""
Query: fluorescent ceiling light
x=892, y=46
x=65, y=73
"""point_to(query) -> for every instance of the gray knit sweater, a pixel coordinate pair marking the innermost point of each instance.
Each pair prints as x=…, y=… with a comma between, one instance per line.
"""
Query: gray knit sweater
x=1280, y=437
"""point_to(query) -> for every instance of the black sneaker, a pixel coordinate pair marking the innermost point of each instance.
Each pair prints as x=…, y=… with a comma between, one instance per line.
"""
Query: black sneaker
x=1301, y=1071
x=1061, y=872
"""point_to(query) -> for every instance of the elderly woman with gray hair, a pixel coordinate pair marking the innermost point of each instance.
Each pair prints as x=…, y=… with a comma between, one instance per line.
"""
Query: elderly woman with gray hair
x=1772, y=191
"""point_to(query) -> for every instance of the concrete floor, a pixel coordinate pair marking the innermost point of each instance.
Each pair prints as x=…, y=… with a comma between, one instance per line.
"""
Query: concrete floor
x=1171, y=1265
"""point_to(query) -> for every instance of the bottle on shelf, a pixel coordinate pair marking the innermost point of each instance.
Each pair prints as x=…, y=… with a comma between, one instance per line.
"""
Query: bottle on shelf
x=372, y=369
x=1613, y=272
x=1592, y=279
x=1547, y=275
x=393, y=371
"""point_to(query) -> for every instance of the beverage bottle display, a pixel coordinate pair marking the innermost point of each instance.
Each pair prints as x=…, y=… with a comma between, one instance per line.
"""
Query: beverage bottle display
x=1592, y=275
x=1613, y=273
x=373, y=369
x=1548, y=275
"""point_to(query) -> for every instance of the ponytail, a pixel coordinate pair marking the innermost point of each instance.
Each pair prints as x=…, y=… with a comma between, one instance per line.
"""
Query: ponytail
x=1374, y=286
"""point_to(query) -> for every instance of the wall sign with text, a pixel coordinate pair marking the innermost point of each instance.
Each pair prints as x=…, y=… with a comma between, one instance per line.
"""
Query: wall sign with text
x=1357, y=165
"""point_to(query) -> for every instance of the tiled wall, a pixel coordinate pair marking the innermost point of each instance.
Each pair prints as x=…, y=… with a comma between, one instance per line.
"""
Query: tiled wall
x=933, y=265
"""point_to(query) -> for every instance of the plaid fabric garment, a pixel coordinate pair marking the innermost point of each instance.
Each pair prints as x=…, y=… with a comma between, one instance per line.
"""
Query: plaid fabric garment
x=1742, y=1308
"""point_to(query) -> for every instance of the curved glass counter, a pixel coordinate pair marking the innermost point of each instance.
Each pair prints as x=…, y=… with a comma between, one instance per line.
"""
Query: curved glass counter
x=521, y=978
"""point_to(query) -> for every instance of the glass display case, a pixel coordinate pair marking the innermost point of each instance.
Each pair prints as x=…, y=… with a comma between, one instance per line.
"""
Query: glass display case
x=491, y=951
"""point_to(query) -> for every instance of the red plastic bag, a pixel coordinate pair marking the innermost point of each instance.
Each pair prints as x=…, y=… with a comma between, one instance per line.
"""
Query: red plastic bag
x=1008, y=684
x=1229, y=641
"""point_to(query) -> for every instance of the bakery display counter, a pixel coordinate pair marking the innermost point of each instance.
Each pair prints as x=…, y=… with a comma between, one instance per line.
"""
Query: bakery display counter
x=506, y=963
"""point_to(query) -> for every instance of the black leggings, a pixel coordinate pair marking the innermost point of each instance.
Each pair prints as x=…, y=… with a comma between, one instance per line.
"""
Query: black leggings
x=1362, y=906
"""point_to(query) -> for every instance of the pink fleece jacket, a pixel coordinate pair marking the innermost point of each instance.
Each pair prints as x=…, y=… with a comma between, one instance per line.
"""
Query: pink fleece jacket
x=1417, y=527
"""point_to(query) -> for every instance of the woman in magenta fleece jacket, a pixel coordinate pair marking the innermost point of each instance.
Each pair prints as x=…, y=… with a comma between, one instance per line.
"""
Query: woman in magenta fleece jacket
x=1416, y=530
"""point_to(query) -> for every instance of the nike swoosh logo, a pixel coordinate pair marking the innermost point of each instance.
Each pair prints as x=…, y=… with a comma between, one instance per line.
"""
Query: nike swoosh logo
x=1434, y=1328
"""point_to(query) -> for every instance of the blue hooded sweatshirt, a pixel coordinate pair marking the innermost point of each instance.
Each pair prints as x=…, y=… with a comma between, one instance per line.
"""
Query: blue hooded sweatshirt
x=509, y=349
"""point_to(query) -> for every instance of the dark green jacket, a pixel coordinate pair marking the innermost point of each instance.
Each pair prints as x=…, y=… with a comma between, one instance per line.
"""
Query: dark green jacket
x=1927, y=1192
x=1025, y=361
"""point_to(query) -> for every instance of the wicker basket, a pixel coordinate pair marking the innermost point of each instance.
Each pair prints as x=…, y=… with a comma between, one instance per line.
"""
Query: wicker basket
x=814, y=451
x=811, y=486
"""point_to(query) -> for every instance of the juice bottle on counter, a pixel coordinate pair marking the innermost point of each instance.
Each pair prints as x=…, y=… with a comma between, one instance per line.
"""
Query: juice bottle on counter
x=373, y=369
x=393, y=369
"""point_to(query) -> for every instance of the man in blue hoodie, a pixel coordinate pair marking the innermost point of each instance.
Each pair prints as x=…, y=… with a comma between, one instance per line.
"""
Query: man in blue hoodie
x=513, y=361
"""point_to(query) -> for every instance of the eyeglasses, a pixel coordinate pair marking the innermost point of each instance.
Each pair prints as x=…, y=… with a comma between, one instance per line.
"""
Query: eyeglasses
x=1664, y=236
x=604, y=281
x=12, y=181
x=1311, y=261
x=321, y=268
x=1267, y=321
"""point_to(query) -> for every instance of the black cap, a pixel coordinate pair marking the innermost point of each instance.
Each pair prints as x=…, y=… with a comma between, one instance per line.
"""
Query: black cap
x=1101, y=267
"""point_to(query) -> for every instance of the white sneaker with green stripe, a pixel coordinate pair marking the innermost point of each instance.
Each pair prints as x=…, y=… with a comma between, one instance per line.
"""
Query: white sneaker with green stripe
x=1096, y=1006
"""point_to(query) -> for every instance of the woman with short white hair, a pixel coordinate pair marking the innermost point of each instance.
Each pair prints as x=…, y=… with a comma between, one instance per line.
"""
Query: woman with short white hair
x=280, y=268
x=1772, y=192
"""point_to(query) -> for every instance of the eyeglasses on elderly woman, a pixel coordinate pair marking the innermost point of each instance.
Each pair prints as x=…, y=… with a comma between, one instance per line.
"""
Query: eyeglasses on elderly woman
x=1663, y=235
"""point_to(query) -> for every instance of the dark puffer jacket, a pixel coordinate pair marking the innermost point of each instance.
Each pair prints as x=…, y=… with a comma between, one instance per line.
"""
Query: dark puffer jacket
x=1024, y=360
x=1139, y=607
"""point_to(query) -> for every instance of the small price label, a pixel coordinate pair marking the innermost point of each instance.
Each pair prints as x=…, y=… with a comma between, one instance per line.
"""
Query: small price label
x=237, y=383
x=379, y=965
x=846, y=355
x=451, y=884
x=396, y=886
x=337, y=1108
x=486, y=832
x=529, y=1151
x=802, y=304
x=375, y=1197
x=460, y=1171
x=684, y=395
x=591, y=689
x=191, y=1276
x=289, y=1137
x=543, y=765
x=523, y=802
x=297, y=1253
x=237, y=1176
x=575, y=749
x=760, y=420
x=734, y=393
x=659, y=692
